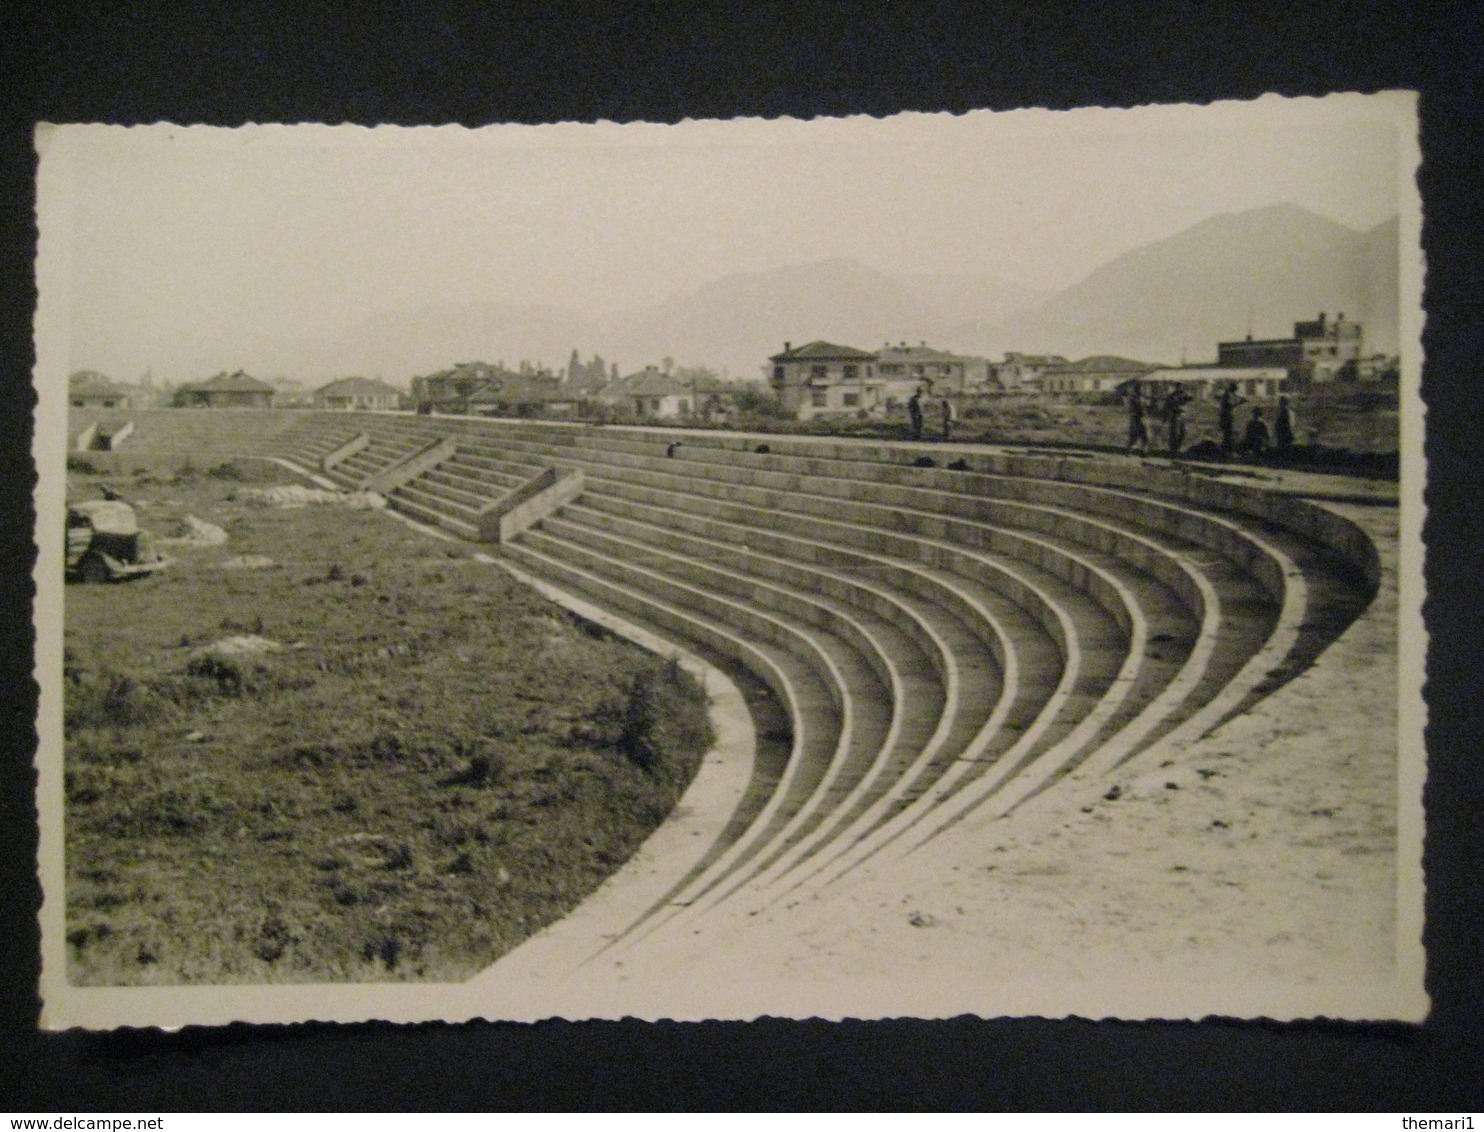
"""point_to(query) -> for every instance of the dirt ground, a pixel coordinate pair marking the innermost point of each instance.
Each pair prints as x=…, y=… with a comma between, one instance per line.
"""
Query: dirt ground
x=1264, y=851
x=1255, y=867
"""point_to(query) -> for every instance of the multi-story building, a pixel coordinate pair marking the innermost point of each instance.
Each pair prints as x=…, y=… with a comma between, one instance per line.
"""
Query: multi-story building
x=1024, y=371
x=1318, y=350
x=822, y=379
x=921, y=365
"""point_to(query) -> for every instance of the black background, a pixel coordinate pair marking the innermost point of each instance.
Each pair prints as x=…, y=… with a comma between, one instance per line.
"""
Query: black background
x=422, y=63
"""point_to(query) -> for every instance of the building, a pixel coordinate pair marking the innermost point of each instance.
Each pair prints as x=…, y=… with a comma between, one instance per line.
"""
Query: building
x=1318, y=350
x=822, y=378
x=1101, y=373
x=905, y=368
x=225, y=391
x=517, y=395
x=356, y=393
x=651, y=393
x=1024, y=371
x=449, y=391
x=1207, y=382
x=89, y=389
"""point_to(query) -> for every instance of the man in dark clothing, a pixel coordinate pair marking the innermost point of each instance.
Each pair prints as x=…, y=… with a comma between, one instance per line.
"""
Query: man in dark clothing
x=947, y=419
x=1226, y=415
x=1175, y=404
x=1283, y=427
x=1255, y=439
x=914, y=413
x=1138, y=432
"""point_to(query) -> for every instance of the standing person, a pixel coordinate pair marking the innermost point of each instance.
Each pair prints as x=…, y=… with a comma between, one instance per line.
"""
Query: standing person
x=1255, y=439
x=1226, y=415
x=1175, y=418
x=947, y=418
x=1283, y=428
x=1138, y=431
x=914, y=413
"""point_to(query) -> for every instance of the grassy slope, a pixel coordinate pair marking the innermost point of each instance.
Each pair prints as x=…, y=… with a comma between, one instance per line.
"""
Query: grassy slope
x=434, y=765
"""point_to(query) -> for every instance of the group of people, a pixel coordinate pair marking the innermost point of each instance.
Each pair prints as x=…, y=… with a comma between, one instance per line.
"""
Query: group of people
x=1255, y=440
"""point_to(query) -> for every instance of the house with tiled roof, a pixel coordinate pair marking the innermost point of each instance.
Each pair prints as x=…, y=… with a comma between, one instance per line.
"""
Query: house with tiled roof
x=89, y=389
x=225, y=391
x=650, y=393
x=350, y=393
x=453, y=390
x=1101, y=373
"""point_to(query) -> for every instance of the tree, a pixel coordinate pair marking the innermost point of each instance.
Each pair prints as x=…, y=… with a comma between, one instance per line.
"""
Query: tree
x=759, y=403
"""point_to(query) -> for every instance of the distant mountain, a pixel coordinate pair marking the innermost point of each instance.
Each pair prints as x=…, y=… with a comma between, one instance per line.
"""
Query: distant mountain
x=739, y=320
x=1263, y=269
x=734, y=322
x=1260, y=270
x=1381, y=262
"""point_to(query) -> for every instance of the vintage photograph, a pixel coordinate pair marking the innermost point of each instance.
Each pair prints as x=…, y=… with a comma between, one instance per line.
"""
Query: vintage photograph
x=921, y=566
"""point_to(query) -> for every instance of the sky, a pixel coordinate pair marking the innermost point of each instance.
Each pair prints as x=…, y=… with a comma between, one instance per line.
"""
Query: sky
x=179, y=244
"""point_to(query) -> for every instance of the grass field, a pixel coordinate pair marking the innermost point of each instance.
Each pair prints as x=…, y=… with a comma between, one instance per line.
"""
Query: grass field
x=373, y=758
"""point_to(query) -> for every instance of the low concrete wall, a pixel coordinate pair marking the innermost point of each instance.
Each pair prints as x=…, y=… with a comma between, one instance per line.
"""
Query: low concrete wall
x=527, y=504
x=345, y=451
x=408, y=469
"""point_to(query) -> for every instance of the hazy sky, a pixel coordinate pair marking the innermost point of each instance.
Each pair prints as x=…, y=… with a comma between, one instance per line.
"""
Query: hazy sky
x=183, y=239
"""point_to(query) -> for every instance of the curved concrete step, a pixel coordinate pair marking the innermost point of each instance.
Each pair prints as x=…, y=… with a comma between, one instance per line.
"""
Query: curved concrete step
x=1106, y=622
x=909, y=642
x=1171, y=522
x=792, y=714
x=826, y=709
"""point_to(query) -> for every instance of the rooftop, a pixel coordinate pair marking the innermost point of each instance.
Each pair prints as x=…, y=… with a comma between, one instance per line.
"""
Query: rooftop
x=238, y=382
x=356, y=387
x=1102, y=363
x=822, y=351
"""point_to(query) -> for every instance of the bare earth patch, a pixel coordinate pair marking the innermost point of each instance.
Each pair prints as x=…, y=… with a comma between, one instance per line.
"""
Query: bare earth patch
x=1263, y=851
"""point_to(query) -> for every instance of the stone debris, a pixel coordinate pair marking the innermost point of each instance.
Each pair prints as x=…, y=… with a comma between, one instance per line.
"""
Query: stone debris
x=250, y=645
x=296, y=495
x=191, y=531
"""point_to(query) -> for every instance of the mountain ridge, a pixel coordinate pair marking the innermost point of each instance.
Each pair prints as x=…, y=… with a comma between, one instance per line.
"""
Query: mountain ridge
x=1257, y=271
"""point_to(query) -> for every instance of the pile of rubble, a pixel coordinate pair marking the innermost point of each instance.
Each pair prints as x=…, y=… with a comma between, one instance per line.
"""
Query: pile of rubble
x=295, y=495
